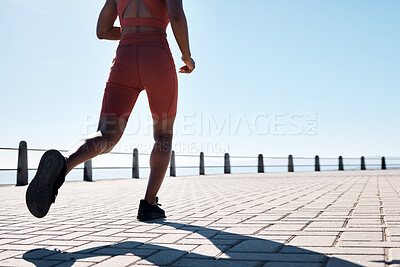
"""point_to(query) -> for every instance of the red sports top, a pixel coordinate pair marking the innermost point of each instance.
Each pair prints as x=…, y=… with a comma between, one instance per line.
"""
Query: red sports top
x=157, y=8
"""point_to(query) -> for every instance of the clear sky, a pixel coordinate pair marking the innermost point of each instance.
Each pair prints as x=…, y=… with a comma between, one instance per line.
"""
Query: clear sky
x=273, y=77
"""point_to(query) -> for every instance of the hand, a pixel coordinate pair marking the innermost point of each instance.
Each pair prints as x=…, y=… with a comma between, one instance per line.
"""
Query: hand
x=190, y=65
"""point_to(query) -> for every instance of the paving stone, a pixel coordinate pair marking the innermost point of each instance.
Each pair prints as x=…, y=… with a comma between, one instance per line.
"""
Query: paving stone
x=20, y=247
x=369, y=244
x=353, y=261
x=9, y=254
x=93, y=258
x=317, y=241
x=285, y=227
x=119, y=260
x=82, y=239
x=71, y=236
x=198, y=241
x=168, y=238
x=112, y=251
x=394, y=255
x=7, y=241
x=208, y=250
x=189, y=262
x=292, y=264
x=88, y=247
x=256, y=246
x=32, y=240
x=275, y=257
x=228, y=217
x=361, y=236
x=333, y=250
x=29, y=262
x=163, y=257
x=54, y=242
x=334, y=224
x=74, y=263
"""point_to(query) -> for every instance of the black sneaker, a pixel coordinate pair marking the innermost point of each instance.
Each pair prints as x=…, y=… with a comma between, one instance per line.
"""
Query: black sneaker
x=150, y=212
x=43, y=189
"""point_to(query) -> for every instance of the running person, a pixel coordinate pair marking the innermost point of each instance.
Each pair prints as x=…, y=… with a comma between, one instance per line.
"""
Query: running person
x=143, y=61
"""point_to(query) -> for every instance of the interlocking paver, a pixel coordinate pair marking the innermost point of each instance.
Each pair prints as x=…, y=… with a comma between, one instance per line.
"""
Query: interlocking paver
x=163, y=257
x=275, y=219
x=8, y=254
x=292, y=264
x=256, y=246
x=362, y=236
x=353, y=261
x=317, y=241
x=120, y=260
x=275, y=257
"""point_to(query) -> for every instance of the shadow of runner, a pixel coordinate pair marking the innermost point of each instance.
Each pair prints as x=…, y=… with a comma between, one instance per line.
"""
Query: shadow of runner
x=238, y=251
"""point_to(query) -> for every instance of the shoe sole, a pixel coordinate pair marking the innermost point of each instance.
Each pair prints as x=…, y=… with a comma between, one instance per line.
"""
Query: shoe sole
x=39, y=193
x=148, y=216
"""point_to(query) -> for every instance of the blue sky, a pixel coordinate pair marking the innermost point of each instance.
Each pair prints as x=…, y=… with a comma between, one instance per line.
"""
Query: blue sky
x=288, y=77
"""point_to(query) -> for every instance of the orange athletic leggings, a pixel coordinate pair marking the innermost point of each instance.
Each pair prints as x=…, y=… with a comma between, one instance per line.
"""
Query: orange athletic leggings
x=142, y=61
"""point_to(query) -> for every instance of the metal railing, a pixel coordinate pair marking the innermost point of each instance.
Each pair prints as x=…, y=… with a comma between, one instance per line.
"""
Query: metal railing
x=22, y=166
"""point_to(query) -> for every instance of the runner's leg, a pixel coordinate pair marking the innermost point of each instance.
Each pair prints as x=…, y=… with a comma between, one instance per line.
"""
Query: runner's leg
x=160, y=157
x=108, y=134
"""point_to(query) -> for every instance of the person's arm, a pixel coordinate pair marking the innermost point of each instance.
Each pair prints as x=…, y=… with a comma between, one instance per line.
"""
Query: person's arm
x=105, y=23
x=180, y=29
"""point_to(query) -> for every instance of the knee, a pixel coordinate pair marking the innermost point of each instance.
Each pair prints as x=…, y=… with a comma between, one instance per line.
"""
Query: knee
x=163, y=142
x=110, y=141
x=163, y=138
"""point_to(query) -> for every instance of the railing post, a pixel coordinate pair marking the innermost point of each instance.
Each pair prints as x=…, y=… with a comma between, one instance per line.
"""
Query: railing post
x=202, y=171
x=22, y=169
x=135, y=164
x=290, y=164
x=227, y=164
x=87, y=171
x=172, y=168
x=383, y=163
x=363, y=163
x=317, y=166
x=260, y=163
x=341, y=167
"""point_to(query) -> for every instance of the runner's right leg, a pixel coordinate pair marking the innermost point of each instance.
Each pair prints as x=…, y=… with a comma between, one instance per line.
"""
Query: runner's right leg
x=108, y=134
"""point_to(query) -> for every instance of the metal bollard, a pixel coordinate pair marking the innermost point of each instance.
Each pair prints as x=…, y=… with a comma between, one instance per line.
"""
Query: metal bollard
x=341, y=167
x=135, y=164
x=260, y=163
x=88, y=171
x=172, y=167
x=227, y=164
x=317, y=165
x=290, y=164
x=363, y=167
x=202, y=168
x=22, y=169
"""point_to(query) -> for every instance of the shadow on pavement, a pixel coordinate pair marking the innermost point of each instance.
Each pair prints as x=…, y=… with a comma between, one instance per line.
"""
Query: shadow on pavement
x=236, y=250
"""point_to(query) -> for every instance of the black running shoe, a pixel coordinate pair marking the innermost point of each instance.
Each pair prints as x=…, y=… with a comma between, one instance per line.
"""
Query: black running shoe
x=43, y=189
x=150, y=212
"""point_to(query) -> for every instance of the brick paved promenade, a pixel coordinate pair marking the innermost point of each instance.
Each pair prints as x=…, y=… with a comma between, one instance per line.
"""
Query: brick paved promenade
x=349, y=218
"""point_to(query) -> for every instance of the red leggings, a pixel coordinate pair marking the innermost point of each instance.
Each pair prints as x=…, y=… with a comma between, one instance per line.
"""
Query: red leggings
x=142, y=61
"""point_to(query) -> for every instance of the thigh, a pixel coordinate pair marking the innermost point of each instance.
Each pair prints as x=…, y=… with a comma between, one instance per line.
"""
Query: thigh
x=158, y=76
x=118, y=101
x=124, y=70
x=123, y=85
x=163, y=128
